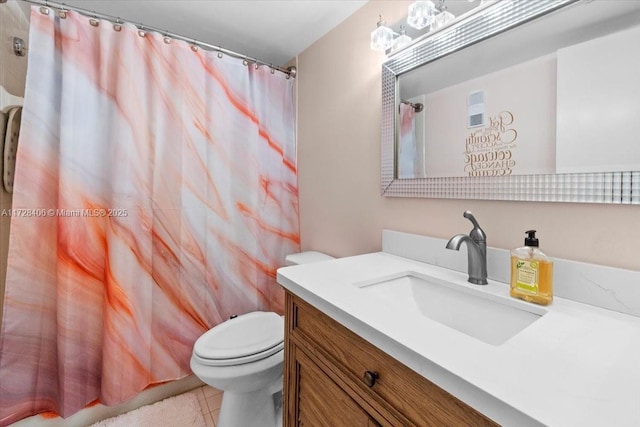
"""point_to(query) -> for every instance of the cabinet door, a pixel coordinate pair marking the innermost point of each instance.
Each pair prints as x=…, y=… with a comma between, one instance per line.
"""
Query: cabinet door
x=321, y=402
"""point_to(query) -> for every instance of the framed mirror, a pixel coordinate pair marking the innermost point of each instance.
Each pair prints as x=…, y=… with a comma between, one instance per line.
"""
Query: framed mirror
x=527, y=140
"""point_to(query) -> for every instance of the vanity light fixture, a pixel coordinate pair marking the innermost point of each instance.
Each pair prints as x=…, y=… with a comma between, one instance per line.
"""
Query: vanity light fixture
x=421, y=14
x=382, y=36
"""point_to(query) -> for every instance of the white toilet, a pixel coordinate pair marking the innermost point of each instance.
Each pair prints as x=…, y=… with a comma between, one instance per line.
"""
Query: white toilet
x=244, y=357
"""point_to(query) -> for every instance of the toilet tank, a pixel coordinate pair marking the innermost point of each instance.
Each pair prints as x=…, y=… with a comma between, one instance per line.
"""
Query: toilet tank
x=306, y=257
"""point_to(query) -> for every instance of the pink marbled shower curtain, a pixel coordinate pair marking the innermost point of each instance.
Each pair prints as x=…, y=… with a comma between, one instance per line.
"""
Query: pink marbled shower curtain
x=155, y=195
x=407, y=142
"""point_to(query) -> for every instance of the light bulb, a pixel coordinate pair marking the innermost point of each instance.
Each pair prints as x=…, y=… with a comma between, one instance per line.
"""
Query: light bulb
x=402, y=40
x=382, y=36
x=421, y=14
x=442, y=19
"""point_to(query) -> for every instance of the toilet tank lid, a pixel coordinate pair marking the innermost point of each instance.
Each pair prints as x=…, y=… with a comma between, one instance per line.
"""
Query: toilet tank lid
x=306, y=257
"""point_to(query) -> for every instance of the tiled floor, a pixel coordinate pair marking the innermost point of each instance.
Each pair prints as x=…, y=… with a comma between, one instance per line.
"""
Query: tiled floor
x=210, y=400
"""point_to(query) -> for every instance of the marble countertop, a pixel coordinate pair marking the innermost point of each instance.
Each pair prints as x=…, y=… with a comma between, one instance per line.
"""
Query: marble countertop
x=578, y=365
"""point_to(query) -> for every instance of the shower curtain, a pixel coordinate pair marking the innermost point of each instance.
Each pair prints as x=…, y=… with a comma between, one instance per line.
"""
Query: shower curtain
x=155, y=195
x=407, y=143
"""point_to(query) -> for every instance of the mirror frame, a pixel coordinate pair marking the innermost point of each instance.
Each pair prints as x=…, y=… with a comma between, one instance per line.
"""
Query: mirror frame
x=488, y=21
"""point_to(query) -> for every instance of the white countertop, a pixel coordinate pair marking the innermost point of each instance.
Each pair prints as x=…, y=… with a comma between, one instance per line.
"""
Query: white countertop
x=578, y=365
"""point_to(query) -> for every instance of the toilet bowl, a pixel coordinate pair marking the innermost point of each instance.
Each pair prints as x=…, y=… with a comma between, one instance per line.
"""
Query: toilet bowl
x=244, y=357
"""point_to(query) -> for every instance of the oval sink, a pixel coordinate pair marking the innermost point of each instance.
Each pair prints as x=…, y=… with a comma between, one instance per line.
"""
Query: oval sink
x=490, y=318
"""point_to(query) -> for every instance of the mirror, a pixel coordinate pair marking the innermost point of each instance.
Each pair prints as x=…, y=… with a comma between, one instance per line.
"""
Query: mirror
x=520, y=140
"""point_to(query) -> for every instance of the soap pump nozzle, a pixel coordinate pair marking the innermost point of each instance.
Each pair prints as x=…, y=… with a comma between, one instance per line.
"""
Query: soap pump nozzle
x=531, y=239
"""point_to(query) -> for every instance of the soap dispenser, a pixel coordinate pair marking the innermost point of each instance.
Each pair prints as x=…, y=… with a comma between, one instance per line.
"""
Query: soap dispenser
x=531, y=272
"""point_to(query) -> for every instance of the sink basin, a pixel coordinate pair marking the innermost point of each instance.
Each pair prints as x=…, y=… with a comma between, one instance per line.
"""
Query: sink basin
x=489, y=318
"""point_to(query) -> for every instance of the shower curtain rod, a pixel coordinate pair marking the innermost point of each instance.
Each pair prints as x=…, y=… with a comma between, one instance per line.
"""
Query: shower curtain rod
x=289, y=71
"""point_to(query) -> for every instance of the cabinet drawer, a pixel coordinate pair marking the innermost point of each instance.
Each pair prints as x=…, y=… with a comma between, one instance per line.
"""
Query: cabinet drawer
x=322, y=402
x=375, y=375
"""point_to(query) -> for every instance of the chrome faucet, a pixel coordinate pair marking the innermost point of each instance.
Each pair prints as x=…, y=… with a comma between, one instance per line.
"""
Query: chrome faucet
x=476, y=249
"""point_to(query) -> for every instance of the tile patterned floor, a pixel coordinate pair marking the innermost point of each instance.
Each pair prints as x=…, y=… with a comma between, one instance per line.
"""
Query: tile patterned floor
x=210, y=400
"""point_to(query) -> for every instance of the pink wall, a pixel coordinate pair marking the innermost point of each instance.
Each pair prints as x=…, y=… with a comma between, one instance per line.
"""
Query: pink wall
x=341, y=210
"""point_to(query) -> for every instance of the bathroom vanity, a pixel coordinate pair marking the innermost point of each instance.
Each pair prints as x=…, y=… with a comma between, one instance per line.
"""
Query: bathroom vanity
x=364, y=347
x=334, y=377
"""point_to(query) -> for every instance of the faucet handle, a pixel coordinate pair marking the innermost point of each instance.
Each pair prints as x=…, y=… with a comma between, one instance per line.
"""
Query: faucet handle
x=477, y=234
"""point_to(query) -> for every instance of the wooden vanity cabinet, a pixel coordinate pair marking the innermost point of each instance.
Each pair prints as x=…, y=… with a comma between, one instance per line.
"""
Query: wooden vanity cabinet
x=321, y=401
x=333, y=377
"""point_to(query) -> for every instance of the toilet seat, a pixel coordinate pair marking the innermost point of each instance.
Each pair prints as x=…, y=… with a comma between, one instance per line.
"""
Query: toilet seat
x=244, y=339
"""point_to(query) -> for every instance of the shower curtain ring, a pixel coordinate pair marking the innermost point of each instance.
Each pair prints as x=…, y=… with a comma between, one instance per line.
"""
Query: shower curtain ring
x=62, y=13
x=94, y=21
x=141, y=31
x=194, y=46
x=220, y=55
x=167, y=39
x=117, y=26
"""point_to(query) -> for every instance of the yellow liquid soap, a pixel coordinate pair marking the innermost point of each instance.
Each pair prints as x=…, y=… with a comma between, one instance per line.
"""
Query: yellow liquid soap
x=532, y=279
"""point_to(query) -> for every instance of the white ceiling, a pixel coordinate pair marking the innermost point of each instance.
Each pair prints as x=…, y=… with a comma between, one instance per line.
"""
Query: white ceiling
x=274, y=31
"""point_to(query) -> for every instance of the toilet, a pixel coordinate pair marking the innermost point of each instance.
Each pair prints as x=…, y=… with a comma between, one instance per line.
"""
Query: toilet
x=244, y=357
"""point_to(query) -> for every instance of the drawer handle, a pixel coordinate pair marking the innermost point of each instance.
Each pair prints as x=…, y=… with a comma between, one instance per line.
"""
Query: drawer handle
x=370, y=378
